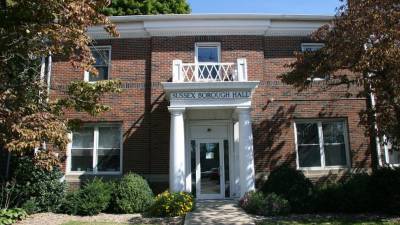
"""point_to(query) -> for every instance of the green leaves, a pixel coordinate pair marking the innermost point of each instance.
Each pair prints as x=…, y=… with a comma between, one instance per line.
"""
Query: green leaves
x=85, y=97
x=10, y=216
x=146, y=7
x=362, y=48
x=30, y=30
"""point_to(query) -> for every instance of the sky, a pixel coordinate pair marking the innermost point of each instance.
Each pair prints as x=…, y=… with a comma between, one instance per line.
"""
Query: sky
x=318, y=7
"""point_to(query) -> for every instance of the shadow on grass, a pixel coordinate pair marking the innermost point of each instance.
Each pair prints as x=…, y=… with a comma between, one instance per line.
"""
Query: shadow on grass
x=331, y=220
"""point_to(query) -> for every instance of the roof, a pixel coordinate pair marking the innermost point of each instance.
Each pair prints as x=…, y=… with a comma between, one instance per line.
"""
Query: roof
x=213, y=24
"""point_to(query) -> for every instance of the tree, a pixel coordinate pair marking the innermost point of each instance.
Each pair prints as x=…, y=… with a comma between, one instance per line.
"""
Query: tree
x=146, y=7
x=29, y=30
x=362, y=47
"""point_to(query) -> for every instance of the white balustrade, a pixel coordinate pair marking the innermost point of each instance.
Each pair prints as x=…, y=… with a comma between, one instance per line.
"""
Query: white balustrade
x=209, y=72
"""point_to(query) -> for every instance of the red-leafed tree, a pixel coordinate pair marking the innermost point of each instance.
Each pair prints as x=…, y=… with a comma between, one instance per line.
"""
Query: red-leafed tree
x=29, y=30
x=362, y=47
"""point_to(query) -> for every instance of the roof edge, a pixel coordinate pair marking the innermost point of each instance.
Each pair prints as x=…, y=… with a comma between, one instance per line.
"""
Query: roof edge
x=222, y=16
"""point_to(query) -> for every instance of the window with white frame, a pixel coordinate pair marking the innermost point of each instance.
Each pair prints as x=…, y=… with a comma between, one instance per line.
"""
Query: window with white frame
x=321, y=144
x=102, y=56
x=392, y=156
x=208, y=54
x=312, y=47
x=96, y=149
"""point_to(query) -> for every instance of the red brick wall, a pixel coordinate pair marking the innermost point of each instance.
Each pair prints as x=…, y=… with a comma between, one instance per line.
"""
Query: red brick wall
x=142, y=64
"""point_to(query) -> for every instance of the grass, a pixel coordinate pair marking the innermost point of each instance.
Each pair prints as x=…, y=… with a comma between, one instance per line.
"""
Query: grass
x=329, y=222
x=98, y=223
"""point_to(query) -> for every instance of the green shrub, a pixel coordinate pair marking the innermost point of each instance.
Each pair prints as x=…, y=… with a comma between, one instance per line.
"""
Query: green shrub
x=169, y=204
x=327, y=198
x=275, y=205
x=252, y=202
x=94, y=197
x=10, y=216
x=355, y=193
x=132, y=194
x=291, y=185
x=31, y=206
x=70, y=204
x=270, y=205
x=385, y=190
x=36, y=184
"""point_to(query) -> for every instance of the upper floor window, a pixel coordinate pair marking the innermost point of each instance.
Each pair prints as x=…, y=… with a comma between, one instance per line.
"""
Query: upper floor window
x=311, y=47
x=96, y=149
x=102, y=55
x=208, y=55
x=321, y=144
x=392, y=156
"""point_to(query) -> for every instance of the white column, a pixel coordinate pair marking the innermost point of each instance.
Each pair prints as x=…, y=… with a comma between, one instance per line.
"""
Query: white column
x=241, y=69
x=177, y=151
x=246, y=155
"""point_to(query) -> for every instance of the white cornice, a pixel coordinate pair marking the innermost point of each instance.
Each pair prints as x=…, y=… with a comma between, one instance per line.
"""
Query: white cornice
x=209, y=86
x=212, y=24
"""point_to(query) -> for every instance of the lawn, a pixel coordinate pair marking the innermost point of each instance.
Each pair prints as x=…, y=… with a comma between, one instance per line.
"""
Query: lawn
x=98, y=223
x=330, y=221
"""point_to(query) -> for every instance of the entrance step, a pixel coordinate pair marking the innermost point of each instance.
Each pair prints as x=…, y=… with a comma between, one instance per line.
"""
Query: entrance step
x=219, y=212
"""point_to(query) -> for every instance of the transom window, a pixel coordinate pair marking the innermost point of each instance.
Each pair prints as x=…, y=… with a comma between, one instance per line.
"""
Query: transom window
x=102, y=55
x=321, y=144
x=96, y=149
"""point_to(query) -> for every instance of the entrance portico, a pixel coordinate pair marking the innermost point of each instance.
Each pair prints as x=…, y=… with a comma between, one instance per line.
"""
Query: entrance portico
x=211, y=141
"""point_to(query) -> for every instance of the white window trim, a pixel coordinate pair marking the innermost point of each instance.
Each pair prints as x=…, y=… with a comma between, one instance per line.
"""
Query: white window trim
x=207, y=44
x=311, y=44
x=95, y=143
x=321, y=143
x=107, y=47
x=387, y=159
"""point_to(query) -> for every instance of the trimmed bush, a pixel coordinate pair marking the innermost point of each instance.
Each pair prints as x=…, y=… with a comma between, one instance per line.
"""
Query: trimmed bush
x=291, y=185
x=270, y=205
x=94, y=197
x=385, y=190
x=169, y=204
x=37, y=189
x=132, y=194
x=10, y=216
x=252, y=202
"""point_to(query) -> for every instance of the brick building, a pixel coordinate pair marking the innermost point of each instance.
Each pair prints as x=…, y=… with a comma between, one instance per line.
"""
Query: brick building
x=203, y=109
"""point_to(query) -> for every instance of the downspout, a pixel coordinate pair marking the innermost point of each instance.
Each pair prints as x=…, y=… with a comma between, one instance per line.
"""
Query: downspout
x=49, y=64
x=377, y=139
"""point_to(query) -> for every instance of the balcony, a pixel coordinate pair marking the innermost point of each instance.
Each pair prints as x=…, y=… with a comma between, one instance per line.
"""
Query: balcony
x=209, y=85
x=209, y=72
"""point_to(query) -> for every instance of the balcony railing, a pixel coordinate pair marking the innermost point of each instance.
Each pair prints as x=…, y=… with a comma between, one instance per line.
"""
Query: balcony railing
x=209, y=72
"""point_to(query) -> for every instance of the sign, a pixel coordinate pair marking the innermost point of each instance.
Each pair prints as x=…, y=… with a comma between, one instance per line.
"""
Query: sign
x=211, y=95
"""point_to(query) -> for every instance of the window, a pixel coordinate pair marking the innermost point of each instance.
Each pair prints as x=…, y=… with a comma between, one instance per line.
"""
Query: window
x=208, y=53
x=392, y=157
x=312, y=47
x=96, y=149
x=102, y=55
x=321, y=144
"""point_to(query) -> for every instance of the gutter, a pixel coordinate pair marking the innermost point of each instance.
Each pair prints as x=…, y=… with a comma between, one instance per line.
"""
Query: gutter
x=220, y=16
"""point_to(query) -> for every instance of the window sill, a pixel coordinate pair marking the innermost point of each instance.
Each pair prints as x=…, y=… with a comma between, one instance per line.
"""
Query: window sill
x=77, y=173
x=323, y=168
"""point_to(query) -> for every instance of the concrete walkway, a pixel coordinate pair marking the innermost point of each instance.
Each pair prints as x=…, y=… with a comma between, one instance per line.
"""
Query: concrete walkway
x=221, y=212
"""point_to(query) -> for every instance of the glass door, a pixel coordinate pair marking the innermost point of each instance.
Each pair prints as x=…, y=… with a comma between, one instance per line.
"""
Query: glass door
x=210, y=169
